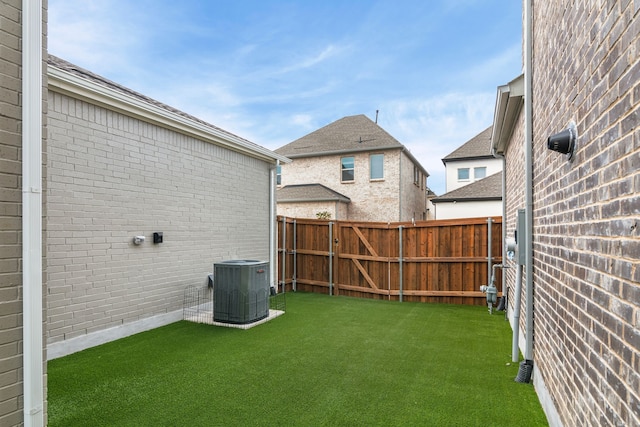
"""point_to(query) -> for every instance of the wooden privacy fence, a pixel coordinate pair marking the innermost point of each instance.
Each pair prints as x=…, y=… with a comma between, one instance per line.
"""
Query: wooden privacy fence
x=429, y=261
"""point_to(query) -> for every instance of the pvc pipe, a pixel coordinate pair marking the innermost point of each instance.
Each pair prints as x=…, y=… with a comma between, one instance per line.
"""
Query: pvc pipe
x=528, y=125
x=515, y=351
x=32, y=329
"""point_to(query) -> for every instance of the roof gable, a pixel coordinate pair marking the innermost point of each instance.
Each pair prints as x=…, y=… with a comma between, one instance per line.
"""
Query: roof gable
x=349, y=134
x=477, y=147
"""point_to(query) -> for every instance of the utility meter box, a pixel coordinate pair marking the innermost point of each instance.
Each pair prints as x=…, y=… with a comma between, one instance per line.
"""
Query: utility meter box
x=521, y=237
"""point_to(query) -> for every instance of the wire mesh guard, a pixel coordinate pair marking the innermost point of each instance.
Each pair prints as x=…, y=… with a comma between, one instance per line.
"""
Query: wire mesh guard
x=198, y=306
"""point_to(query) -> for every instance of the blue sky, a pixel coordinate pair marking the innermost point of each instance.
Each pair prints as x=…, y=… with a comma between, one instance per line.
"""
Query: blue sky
x=273, y=71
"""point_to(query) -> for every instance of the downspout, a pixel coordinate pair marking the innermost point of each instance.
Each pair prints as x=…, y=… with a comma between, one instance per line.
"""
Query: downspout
x=528, y=125
x=272, y=225
x=32, y=328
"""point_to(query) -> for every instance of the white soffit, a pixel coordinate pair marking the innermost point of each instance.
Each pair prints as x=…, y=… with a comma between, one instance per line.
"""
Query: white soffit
x=509, y=101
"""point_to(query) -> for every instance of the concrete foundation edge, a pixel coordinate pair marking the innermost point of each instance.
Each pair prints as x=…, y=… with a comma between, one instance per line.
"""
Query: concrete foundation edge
x=73, y=345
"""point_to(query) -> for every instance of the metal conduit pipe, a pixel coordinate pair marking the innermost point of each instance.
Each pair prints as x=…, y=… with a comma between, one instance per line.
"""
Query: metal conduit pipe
x=528, y=118
x=515, y=351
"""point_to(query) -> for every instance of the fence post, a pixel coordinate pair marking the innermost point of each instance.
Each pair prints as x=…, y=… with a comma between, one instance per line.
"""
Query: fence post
x=400, y=260
x=284, y=254
x=330, y=258
x=489, y=244
x=295, y=257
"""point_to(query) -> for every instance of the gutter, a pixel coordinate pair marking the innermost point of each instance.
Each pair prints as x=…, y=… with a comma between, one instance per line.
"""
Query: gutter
x=466, y=199
x=32, y=295
x=334, y=199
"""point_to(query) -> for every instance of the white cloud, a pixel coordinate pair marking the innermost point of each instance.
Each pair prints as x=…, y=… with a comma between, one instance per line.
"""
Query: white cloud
x=303, y=63
x=92, y=33
x=432, y=128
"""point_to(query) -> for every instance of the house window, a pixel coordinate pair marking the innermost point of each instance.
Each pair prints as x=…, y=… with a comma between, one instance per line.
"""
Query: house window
x=479, y=173
x=348, y=172
x=416, y=175
x=463, y=174
x=376, y=169
x=278, y=175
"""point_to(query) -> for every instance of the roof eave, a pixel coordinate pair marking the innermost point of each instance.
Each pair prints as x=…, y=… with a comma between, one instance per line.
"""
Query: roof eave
x=303, y=200
x=465, y=199
x=345, y=151
x=69, y=84
x=509, y=100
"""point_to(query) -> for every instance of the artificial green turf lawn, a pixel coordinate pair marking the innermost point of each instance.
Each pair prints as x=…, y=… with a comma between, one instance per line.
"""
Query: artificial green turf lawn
x=331, y=361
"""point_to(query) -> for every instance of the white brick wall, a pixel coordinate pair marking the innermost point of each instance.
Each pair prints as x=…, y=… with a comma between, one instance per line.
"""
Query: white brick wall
x=112, y=177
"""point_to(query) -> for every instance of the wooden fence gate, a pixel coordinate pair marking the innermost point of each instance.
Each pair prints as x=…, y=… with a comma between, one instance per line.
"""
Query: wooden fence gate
x=429, y=261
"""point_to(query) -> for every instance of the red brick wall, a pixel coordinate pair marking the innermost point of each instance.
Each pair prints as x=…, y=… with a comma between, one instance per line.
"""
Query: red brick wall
x=586, y=69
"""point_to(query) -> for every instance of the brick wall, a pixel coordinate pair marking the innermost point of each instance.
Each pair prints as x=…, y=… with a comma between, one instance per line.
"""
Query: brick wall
x=514, y=200
x=112, y=177
x=338, y=210
x=586, y=69
x=370, y=200
x=10, y=210
x=413, y=198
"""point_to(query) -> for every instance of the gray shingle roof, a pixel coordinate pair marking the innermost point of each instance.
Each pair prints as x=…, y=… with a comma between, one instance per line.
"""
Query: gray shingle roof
x=349, y=134
x=489, y=188
x=61, y=64
x=309, y=193
x=476, y=148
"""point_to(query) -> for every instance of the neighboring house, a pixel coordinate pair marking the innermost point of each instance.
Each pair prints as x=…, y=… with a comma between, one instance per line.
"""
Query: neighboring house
x=352, y=169
x=581, y=327
x=473, y=181
x=471, y=162
x=123, y=165
x=481, y=198
x=308, y=200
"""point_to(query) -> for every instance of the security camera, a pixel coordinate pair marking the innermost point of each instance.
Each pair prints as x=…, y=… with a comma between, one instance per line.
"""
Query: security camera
x=564, y=142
